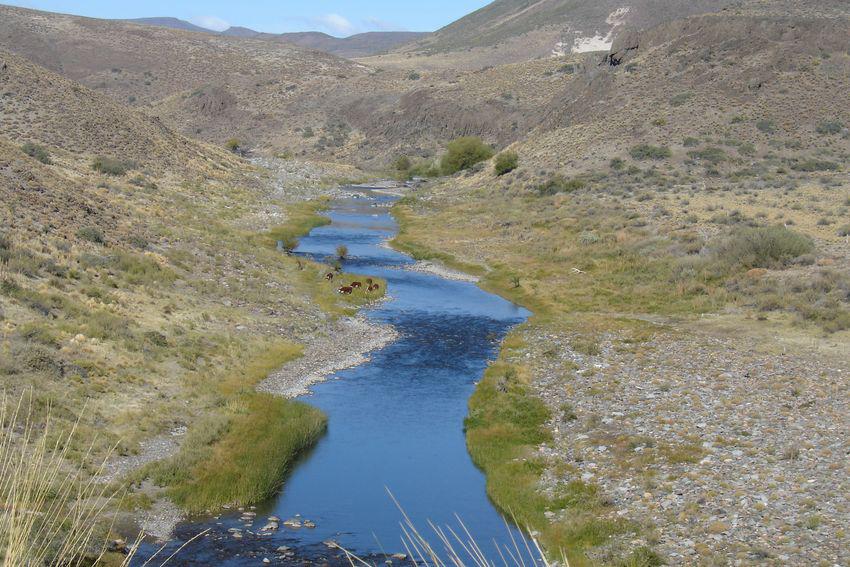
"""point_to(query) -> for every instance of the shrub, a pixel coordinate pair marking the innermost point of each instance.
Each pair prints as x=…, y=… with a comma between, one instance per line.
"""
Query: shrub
x=617, y=164
x=308, y=132
x=690, y=142
x=844, y=230
x=38, y=152
x=560, y=184
x=830, y=128
x=763, y=247
x=766, y=126
x=342, y=252
x=233, y=145
x=647, y=151
x=463, y=153
x=812, y=165
x=92, y=234
x=711, y=155
x=413, y=76
x=506, y=162
x=681, y=99
x=111, y=166
x=403, y=163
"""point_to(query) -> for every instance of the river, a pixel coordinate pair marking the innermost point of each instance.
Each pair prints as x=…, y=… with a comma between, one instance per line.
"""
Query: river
x=395, y=422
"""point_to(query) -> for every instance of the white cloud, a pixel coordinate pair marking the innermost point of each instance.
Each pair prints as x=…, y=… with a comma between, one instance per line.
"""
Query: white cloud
x=213, y=23
x=336, y=24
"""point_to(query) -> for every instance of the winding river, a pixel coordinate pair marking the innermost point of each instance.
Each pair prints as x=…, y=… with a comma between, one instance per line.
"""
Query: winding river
x=395, y=422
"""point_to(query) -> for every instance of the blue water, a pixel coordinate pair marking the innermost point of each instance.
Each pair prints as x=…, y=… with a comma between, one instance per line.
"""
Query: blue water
x=395, y=423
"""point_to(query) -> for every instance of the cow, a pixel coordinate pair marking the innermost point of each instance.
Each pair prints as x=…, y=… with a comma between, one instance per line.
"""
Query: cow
x=356, y=285
x=329, y=276
x=374, y=287
x=346, y=290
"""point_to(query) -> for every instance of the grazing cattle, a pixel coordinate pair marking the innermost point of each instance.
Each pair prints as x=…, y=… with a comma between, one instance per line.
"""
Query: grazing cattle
x=356, y=284
x=329, y=276
x=346, y=290
x=374, y=287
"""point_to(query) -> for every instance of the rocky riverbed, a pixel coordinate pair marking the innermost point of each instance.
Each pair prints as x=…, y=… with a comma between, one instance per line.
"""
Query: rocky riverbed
x=727, y=449
x=342, y=344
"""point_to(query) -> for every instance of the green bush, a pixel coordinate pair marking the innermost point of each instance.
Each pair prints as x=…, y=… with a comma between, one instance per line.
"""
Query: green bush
x=647, y=151
x=506, y=162
x=38, y=152
x=830, y=128
x=681, y=99
x=763, y=247
x=711, y=155
x=690, y=142
x=766, y=126
x=403, y=163
x=560, y=184
x=111, y=166
x=463, y=153
x=233, y=145
x=92, y=234
x=812, y=165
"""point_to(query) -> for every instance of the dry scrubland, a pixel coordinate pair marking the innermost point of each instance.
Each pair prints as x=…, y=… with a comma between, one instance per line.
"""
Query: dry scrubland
x=679, y=227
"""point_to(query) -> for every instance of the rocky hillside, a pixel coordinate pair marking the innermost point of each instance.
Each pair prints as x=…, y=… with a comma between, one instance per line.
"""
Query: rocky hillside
x=559, y=27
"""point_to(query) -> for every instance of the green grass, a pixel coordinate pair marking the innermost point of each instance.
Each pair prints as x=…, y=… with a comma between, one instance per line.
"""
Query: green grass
x=301, y=219
x=241, y=453
x=506, y=424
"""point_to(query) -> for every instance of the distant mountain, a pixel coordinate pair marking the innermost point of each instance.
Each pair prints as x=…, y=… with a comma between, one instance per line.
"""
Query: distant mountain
x=358, y=45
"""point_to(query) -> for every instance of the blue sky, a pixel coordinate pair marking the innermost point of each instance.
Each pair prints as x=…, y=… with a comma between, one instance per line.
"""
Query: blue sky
x=337, y=17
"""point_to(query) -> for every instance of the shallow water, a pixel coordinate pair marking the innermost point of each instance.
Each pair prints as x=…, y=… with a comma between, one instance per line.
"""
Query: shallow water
x=395, y=423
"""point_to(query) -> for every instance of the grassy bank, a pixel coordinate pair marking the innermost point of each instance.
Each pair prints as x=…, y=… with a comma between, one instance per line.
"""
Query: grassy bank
x=240, y=453
x=505, y=426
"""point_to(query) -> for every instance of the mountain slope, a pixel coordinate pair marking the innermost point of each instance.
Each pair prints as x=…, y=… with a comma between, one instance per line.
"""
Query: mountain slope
x=560, y=26
x=166, y=22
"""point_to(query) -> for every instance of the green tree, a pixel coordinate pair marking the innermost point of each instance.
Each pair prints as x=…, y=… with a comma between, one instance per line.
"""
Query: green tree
x=463, y=153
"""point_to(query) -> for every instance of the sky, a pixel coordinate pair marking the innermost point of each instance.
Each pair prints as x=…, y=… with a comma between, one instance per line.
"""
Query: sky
x=336, y=17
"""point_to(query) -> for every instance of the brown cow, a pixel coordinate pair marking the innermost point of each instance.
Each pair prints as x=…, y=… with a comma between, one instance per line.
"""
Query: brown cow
x=346, y=290
x=356, y=284
x=374, y=287
x=329, y=276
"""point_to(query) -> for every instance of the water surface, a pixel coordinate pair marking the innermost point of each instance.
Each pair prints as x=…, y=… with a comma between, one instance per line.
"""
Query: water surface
x=395, y=423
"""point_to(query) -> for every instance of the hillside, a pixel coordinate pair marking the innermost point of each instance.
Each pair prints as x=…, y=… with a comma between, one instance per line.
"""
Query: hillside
x=546, y=27
x=678, y=222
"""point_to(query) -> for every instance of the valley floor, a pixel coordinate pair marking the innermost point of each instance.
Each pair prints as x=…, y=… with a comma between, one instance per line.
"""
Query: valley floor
x=711, y=437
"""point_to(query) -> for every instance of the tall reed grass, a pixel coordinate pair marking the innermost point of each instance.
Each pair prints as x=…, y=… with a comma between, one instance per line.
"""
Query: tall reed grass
x=51, y=512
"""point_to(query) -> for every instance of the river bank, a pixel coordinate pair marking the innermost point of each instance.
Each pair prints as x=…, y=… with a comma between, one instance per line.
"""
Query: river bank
x=678, y=423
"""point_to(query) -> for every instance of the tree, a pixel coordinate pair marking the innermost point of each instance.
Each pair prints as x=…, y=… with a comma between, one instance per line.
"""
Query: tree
x=463, y=153
x=342, y=251
x=403, y=163
x=506, y=162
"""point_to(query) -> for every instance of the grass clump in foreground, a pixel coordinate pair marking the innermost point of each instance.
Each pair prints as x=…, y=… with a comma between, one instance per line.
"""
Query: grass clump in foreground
x=241, y=454
x=506, y=424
